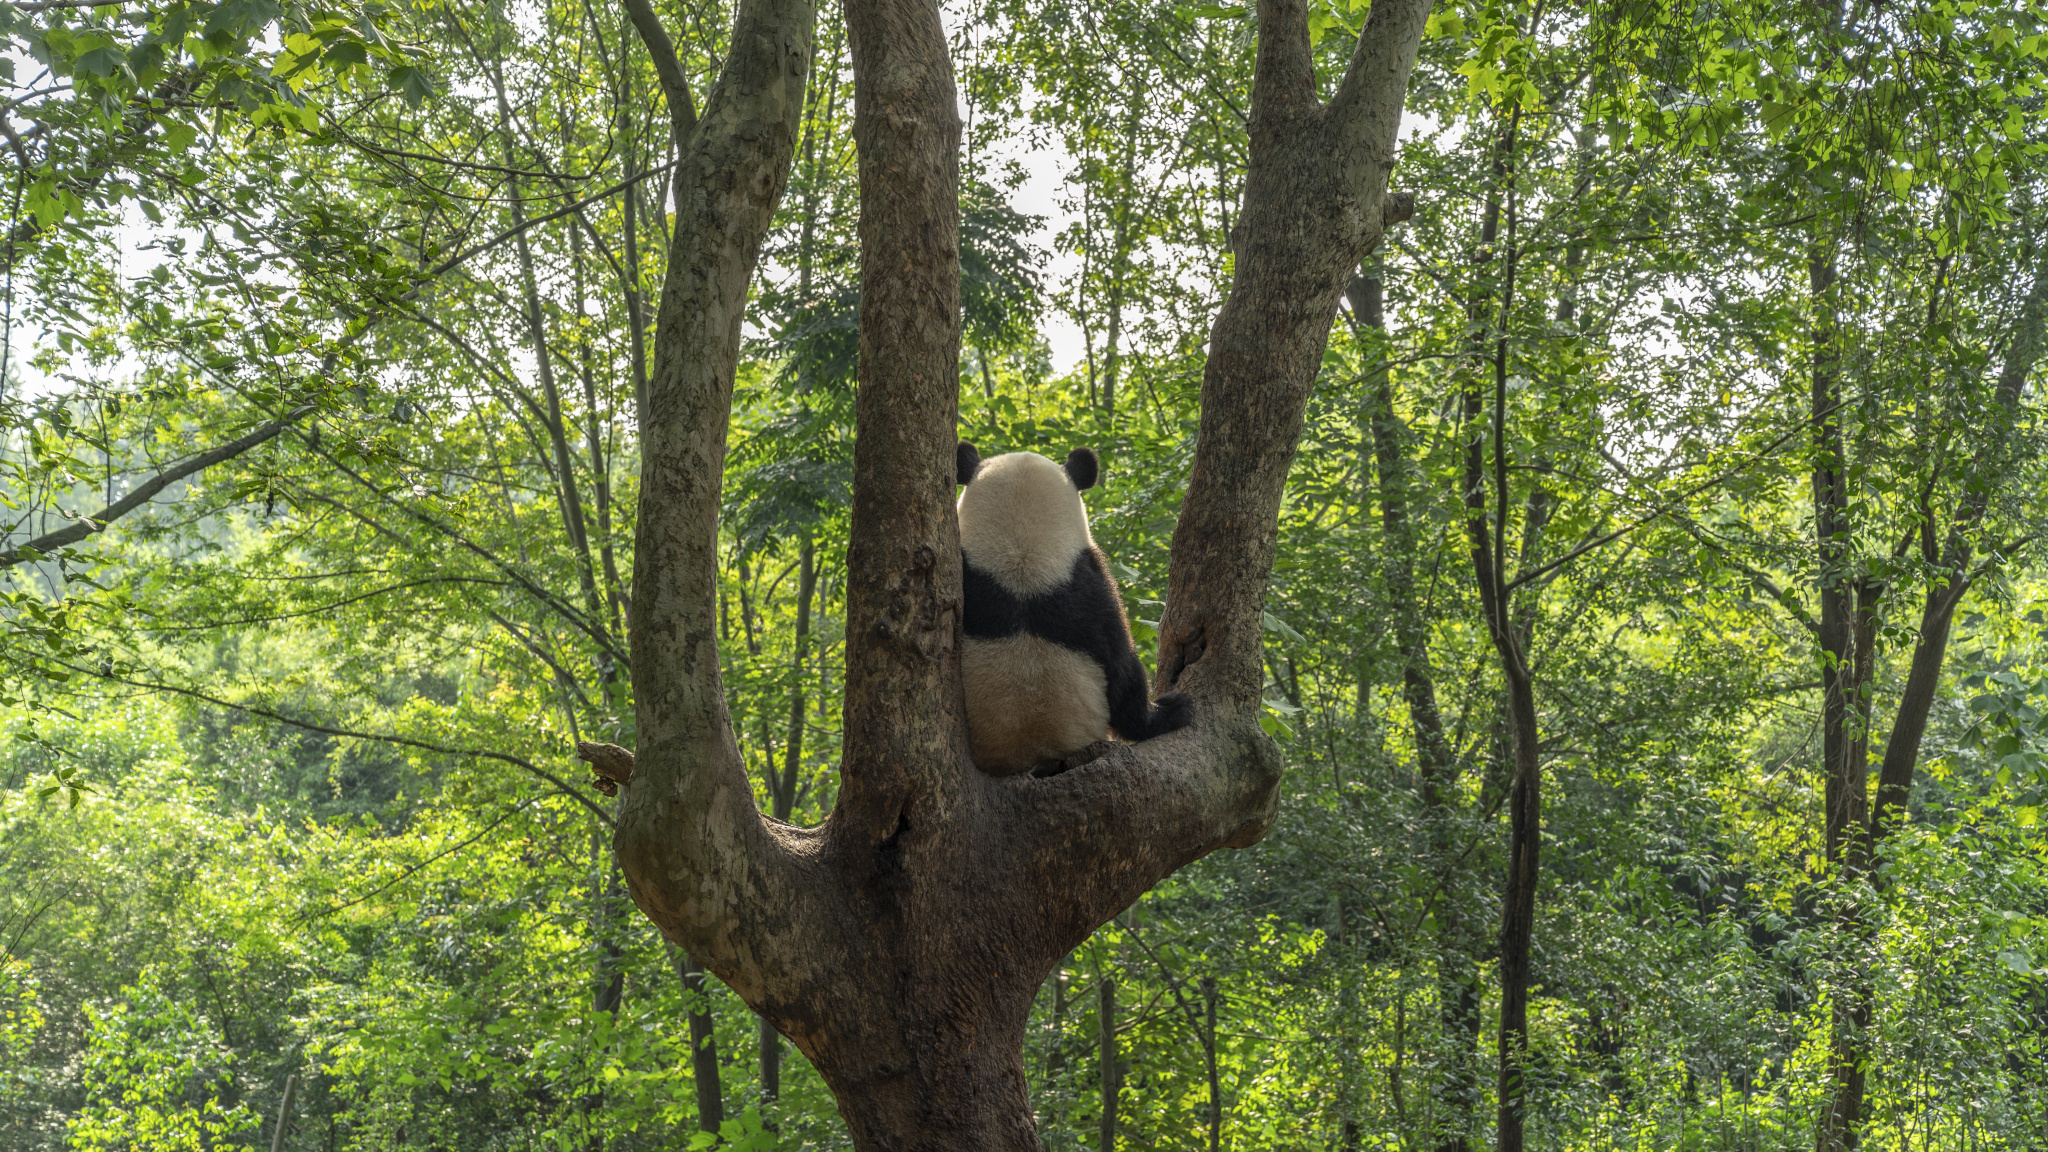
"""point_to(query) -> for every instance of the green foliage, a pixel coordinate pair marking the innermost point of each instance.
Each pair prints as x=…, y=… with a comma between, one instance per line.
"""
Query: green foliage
x=287, y=788
x=156, y=1074
x=20, y=1022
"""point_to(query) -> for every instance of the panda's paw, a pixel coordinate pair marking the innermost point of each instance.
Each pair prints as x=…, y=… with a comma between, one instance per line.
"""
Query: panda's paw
x=1171, y=713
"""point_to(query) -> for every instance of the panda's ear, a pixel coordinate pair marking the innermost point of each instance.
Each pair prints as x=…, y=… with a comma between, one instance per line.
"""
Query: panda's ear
x=1083, y=468
x=969, y=462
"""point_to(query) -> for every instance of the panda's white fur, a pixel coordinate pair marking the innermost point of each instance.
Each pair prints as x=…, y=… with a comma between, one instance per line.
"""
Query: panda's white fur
x=1047, y=662
x=1028, y=699
x=1022, y=521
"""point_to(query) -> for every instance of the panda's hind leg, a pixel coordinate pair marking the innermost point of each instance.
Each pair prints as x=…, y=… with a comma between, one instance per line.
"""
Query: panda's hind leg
x=1134, y=714
x=1170, y=713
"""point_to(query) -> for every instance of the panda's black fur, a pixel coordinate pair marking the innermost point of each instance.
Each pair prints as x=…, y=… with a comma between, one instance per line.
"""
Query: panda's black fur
x=1048, y=664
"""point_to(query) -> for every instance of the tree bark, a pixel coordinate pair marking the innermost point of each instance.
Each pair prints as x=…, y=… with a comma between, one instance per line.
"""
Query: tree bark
x=1844, y=740
x=1457, y=977
x=1105, y=1026
x=1490, y=310
x=899, y=945
x=704, y=1073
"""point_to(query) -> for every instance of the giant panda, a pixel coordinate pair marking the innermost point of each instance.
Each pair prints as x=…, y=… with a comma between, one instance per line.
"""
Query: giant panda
x=1048, y=664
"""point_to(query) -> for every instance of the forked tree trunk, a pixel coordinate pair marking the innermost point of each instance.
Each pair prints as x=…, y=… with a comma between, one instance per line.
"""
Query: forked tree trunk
x=1853, y=841
x=899, y=945
x=1487, y=519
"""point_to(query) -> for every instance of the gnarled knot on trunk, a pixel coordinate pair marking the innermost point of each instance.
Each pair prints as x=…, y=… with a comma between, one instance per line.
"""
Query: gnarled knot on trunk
x=611, y=764
x=918, y=617
x=1397, y=206
x=1179, y=652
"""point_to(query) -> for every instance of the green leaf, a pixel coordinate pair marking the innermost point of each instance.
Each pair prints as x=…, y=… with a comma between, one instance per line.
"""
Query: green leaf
x=241, y=18
x=412, y=83
x=1273, y=623
x=101, y=62
x=347, y=54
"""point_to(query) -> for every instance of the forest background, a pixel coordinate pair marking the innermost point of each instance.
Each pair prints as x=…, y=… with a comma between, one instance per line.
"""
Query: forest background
x=1725, y=318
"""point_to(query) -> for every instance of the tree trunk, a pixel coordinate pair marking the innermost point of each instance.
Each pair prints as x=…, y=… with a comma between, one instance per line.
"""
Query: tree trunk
x=1209, y=1064
x=1985, y=475
x=793, y=747
x=567, y=497
x=1853, y=841
x=1843, y=739
x=1457, y=976
x=1518, y=912
x=900, y=944
x=1490, y=310
x=1120, y=249
x=1105, y=1026
x=704, y=1072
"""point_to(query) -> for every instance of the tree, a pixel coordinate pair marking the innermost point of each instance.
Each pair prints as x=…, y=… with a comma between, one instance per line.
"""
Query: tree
x=900, y=944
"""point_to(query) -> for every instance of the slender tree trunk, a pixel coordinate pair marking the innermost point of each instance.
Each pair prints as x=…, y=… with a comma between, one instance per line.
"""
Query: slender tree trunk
x=793, y=747
x=1105, y=1024
x=1209, y=1064
x=608, y=984
x=284, y=1113
x=1457, y=975
x=703, y=1046
x=629, y=283
x=1055, y=1056
x=752, y=635
x=1833, y=552
x=1490, y=309
x=608, y=988
x=1112, y=353
x=785, y=790
x=1843, y=735
x=567, y=496
x=600, y=470
x=1518, y=911
x=1852, y=840
x=1984, y=476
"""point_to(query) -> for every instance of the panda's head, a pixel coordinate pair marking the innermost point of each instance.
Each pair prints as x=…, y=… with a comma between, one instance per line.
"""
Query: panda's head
x=1021, y=517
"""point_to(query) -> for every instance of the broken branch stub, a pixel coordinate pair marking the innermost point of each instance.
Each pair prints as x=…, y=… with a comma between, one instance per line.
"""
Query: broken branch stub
x=611, y=764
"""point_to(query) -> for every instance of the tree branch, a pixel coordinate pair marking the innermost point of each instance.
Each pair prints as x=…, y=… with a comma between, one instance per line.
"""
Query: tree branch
x=350, y=734
x=701, y=860
x=668, y=68
x=146, y=491
x=905, y=735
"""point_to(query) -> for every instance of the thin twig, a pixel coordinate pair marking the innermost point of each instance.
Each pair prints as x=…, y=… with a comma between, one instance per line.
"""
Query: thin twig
x=350, y=734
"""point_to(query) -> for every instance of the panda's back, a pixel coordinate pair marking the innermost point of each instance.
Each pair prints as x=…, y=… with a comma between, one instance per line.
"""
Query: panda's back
x=1041, y=613
x=1030, y=700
